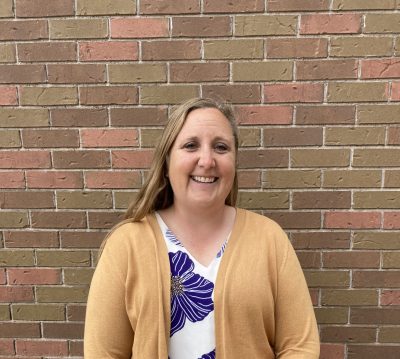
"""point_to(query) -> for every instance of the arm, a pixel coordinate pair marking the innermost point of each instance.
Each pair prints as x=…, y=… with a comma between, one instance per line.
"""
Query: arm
x=296, y=327
x=108, y=332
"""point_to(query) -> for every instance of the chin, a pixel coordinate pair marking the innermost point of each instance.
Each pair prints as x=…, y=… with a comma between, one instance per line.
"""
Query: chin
x=207, y=203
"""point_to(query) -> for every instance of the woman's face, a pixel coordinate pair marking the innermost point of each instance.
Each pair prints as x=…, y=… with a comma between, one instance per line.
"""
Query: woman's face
x=201, y=165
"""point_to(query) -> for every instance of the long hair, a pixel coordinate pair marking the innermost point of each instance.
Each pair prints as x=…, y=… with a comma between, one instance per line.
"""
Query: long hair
x=156, y=193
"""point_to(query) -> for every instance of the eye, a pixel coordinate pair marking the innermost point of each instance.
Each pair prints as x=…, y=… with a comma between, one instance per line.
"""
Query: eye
x=190, y=146
x=221, y=147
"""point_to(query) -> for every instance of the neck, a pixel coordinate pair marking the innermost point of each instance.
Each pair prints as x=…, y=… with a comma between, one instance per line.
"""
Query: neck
x=199, y=216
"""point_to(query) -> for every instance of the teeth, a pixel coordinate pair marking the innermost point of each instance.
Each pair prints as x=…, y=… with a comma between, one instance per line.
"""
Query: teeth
x=204, y=179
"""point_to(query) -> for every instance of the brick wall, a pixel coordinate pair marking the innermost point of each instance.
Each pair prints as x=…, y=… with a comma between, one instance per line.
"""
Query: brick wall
x=85, y=88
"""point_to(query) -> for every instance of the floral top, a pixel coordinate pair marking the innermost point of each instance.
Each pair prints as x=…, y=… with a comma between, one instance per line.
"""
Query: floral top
x=192, y=333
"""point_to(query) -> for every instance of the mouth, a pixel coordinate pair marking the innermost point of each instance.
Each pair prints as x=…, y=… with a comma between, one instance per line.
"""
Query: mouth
x=202, y=179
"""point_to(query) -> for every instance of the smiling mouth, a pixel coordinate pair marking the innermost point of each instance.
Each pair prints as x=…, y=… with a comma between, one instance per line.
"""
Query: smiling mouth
x=200, y=179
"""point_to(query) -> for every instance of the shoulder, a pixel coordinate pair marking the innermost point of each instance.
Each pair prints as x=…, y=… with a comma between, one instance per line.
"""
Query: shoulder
x=263, y=235
x=127, y=234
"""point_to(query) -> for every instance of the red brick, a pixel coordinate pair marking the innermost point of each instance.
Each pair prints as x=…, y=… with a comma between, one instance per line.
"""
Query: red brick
x=41, y=8
x=21, y=74
x=76, y=73
x=352, y=220
x=309, y=259
x=354, y=259
x=3, y=278
x=326, y=114
x=31, y=239
x=8, y=95
x=104, y=220
x=226, y=6
x=54, y=179
x=60, y=219
x=326, y=69
x=79, y=117
x=390, y=297
x=108, y=51
x=321, y=199
x=63, y=330
x=350, y=334
x=114, y=179
x=373, y=351
x=109, y=138
x=332, y=351
x=108, y=95
x=395, y=96
x=264, y=115
x=34, y=276
x=391, y=220
x=132, y=159
x=375, y=315
x=39, y=138
x=380, y=68
x=12, y=179
x=234, y=93
x=41, y=347
x=376, y=279
x=81, y=159
x=203, y=26
x=7, y=346
x=323, y=240
x=25, y=200
x=139, y=27
x=16, y=294
x=77, y=239
x=25, y=159
x=296, y=47
x=169, y=7
x=76, y=348
x=330, y=24
x=76, y=313
x=263, y=158
x=47, y=51
x=249, y=179
x=171, y=50
x=296, y=5
x=14, y=30
x=140, y=116
x=19, y=330
x=309, y=92
x=394, y=136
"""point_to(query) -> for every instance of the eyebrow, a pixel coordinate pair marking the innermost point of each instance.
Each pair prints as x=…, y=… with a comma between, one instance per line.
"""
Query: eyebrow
x=218, y=138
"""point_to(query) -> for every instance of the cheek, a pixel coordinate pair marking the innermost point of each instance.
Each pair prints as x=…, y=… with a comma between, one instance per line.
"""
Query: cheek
x=230, y=166
x=179, y=167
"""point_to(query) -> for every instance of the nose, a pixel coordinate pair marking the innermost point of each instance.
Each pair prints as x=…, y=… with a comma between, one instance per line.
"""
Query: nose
x=206, y=158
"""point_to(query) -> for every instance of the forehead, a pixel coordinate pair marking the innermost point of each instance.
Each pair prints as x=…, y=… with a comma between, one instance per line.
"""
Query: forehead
x=206, y=121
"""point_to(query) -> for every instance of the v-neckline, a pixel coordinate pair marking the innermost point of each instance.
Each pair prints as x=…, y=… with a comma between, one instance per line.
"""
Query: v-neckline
x=176, y=241
x=161, y=252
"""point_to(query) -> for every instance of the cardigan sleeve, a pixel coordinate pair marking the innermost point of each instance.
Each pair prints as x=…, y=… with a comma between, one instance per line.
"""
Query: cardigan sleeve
x=296, y=327
x=108, y=332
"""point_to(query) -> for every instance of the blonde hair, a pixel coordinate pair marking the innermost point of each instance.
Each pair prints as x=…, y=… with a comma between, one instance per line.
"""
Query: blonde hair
x=156, y=193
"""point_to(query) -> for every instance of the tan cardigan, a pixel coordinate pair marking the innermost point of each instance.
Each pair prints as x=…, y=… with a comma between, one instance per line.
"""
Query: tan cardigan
x=262, y=304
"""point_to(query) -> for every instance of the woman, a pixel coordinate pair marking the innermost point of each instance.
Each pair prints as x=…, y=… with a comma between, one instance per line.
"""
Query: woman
x=190, y=276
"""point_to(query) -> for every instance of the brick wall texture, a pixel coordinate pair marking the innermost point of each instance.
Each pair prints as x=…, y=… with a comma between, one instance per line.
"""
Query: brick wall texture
x=85, y=89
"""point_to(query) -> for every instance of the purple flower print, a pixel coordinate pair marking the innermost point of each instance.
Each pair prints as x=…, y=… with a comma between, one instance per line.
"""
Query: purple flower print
x=190, y=292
